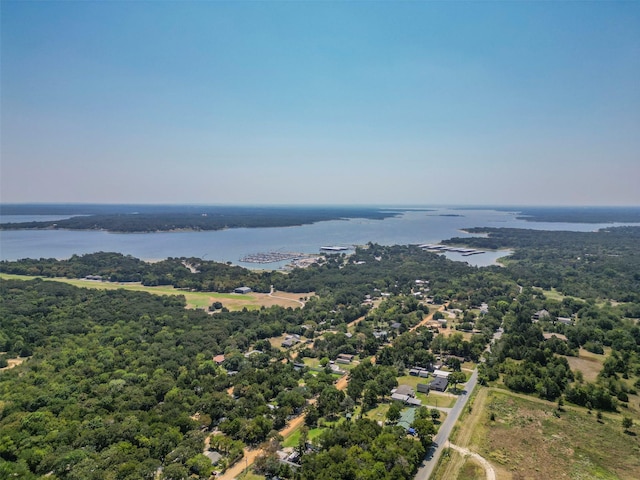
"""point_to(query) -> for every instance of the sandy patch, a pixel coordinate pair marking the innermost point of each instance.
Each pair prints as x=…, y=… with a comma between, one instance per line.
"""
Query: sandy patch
x=14, y=362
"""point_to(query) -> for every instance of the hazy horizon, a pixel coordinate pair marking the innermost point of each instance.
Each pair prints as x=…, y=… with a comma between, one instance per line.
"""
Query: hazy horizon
x=321, y=103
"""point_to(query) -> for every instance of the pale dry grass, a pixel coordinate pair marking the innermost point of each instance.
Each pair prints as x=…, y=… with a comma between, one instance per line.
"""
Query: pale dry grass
x=469, y=434
x=447, y=332
x=202, y=300
x=14, y=362
x=588, y=363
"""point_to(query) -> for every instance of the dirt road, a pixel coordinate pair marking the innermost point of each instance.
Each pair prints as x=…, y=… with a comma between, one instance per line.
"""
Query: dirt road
x=491, y=473
x=428, y=318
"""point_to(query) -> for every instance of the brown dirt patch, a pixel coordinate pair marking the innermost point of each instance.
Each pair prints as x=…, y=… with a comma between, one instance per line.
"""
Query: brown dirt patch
x=283, y=299
x=14, y=362
x=447, y=332
x=588, y=363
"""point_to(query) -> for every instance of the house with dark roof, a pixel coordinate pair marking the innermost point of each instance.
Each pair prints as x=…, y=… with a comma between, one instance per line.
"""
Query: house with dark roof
x=404, y=390
x=291, y=340
x=345, y=357
x=540, y=315
x=439, y=384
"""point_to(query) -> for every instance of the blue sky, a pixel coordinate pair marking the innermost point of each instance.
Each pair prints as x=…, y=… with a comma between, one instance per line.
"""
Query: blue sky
x=321, y=102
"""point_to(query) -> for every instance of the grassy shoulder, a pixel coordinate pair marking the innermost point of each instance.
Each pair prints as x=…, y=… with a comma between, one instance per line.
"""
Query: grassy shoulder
x=202, y=300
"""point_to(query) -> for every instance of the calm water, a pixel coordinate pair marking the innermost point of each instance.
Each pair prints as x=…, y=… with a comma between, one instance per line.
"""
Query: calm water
x=413, y=227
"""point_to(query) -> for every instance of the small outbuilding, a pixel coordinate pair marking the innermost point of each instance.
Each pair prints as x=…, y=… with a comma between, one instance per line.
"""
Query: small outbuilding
x=215, y=457
x=242, y=290
x=219, y=359
x=423, y=388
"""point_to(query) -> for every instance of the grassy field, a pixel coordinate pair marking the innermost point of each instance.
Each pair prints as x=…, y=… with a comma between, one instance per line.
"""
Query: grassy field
x=588, y=363
x=447, y=332
x=252, y=476
x=470, y=470
x=526, y=440
x=378, y=414
x=232, y=301
x=435, y=399
x=293, y=439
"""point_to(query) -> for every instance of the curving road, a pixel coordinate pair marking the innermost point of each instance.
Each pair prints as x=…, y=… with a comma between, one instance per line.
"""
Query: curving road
x=439, y=442
x=491, y=473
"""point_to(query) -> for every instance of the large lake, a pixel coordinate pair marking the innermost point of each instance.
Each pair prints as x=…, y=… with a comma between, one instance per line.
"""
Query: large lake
x=411, y=227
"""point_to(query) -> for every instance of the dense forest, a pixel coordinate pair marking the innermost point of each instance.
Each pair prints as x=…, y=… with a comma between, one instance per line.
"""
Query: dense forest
x=126, y=385
x=187, y=273
x=600, y=265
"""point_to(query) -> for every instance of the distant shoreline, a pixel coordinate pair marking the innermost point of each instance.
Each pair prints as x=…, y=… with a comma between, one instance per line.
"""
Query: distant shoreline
x=170, y=219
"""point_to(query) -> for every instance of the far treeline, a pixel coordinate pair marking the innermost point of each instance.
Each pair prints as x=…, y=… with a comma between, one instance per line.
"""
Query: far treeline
x=124, y=384
x=171, y=218
x=603, y=264
x=579, y=214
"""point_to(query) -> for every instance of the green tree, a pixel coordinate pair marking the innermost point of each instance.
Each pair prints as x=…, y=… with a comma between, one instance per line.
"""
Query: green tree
x=302, y=441
x=200, y=465
x=627, y=423
x=329, y=401
x=435, y=414
x=456, y=378
x=175, y=471
x=425, y=430
x=393, y=414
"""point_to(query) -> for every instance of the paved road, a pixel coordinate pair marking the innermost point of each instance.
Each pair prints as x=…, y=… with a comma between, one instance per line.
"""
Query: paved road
x=440, y=440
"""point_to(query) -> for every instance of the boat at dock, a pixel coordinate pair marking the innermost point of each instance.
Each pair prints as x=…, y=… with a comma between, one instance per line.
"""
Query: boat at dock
x=334, y=249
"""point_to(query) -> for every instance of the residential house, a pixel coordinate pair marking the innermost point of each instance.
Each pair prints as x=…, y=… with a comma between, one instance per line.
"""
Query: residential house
x=404, y=390
x=344, y=358
x=439, y=384
x=540, y=315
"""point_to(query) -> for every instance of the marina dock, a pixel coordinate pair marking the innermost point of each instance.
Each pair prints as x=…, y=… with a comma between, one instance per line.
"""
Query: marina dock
x=272, y=257
x=437, y=248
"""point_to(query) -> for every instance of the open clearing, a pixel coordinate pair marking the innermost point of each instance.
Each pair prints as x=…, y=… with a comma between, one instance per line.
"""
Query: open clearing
x=13, y=362
x=468, y=454
x=232, y=301
x=527, y=441
x=588, y=363
x=447, y=332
